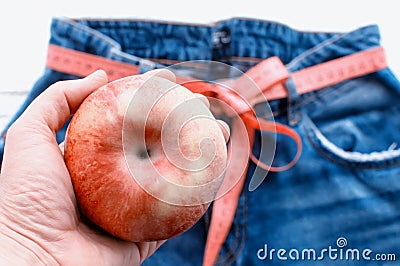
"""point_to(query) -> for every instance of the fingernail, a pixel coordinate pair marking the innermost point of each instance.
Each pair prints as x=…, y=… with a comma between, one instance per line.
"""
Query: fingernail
x=99, y=74
x=203, y=98
x=225, y=129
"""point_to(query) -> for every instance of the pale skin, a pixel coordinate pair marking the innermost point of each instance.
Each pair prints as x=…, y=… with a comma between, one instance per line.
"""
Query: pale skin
x=39, y=219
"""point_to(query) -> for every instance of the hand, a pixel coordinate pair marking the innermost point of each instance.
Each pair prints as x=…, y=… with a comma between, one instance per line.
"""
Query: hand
x=39, y=217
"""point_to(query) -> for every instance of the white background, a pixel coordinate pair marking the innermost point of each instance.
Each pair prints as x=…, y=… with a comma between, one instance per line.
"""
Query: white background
x=24, y=26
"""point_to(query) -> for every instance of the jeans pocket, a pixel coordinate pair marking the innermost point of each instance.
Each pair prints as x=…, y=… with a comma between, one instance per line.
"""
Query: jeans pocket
x=368, y=140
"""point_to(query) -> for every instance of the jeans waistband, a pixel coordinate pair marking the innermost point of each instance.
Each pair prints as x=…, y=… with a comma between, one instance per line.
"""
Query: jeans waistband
x=239, y=42
x=235, y=41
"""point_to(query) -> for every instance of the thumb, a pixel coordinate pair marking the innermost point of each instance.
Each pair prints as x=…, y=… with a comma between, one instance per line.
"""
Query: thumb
x=55, y=105
x=36, y=127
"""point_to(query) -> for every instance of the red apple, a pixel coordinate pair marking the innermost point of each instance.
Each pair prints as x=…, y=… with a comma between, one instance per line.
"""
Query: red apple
x=146, y=158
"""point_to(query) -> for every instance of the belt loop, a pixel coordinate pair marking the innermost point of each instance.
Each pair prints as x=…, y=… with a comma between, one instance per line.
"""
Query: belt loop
x=293, y=112
x=146, y=65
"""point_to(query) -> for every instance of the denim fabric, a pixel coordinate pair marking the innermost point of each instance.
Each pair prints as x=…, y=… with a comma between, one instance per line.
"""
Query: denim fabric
x=345, y=185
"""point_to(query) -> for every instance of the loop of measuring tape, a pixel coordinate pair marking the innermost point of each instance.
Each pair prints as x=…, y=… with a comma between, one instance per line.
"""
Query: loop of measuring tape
x=242, y=108
x=268, y=126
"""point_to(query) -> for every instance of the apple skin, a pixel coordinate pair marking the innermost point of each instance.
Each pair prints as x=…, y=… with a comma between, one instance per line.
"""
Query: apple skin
x=101, y=168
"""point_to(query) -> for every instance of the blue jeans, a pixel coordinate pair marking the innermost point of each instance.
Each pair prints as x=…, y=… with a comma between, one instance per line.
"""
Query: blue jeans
x=342, y=198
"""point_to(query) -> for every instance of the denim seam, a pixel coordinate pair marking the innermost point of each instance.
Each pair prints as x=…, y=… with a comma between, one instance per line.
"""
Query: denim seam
x=329, y=91
x=314, y=49
x=290, y=106
x=118, y=52
x=244, y=227
x=230, y=255
x=230, y=251
x=244, y=236
x=358, y=156
x=88, y=30
x=348, y=164
x=144, y=20
x=293, y=114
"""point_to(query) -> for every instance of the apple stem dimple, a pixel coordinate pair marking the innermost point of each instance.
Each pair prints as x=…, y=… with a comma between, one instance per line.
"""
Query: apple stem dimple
x=144, y=154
